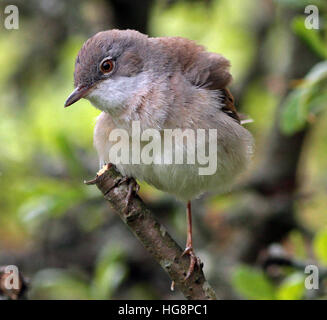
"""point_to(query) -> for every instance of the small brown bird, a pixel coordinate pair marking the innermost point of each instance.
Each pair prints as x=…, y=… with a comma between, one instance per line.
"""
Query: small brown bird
x=164, y=83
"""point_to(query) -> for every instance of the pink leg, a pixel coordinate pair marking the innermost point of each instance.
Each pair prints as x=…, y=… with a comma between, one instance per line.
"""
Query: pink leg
x=189, y=243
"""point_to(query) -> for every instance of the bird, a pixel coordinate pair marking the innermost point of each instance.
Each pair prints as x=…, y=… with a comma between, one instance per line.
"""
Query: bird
x=164, y=83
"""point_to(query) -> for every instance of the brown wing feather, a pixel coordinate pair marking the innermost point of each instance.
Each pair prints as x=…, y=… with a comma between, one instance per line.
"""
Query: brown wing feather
x=205, y=69
x=211, y=71
x=229, y=107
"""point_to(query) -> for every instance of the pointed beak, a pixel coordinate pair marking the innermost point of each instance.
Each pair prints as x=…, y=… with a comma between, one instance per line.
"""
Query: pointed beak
x=79, y=93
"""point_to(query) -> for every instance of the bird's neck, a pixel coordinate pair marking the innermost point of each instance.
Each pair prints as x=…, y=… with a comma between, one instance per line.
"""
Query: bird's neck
x=115, y=96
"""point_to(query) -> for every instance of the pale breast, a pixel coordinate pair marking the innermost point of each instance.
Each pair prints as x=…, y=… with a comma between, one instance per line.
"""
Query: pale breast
x=185, y=181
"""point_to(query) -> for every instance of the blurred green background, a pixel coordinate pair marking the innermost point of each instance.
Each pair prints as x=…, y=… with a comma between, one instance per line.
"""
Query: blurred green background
x=63, y=236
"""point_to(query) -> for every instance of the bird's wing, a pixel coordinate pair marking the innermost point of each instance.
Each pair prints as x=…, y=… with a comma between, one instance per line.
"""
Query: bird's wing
x=229, y=107
x=211, y=71
x=204, y=70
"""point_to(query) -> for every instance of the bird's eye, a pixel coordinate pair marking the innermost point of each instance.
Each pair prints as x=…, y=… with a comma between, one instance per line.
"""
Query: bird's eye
x=106, y=65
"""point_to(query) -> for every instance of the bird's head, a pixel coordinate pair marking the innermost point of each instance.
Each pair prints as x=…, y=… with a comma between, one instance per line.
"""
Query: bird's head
x=109, y=68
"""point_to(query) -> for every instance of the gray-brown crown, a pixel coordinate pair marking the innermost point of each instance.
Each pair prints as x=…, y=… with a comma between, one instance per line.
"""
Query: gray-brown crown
x=134, y=52
x=123, y=46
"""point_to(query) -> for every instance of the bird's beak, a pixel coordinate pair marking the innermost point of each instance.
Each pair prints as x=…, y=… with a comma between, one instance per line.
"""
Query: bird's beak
x=79, y=93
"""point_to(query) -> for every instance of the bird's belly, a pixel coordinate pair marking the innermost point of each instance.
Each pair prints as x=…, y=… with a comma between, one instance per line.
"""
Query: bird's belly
x=185, y=181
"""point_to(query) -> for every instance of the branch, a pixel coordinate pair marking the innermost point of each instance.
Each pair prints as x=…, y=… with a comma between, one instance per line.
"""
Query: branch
x=152, y=235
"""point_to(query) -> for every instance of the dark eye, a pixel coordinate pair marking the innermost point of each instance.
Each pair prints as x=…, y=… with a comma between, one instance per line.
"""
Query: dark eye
x=106, y=65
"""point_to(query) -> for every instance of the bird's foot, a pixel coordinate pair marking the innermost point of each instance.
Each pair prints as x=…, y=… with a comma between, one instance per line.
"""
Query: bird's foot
x=195, y=261
x=133, y=189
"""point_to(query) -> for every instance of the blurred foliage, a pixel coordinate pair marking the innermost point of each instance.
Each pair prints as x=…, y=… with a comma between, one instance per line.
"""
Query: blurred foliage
x=221, y=27
x=320, y=246
x=311, y=36
x=306, y=101
x=291, y=288
x=301, y=3
x=110, y=271
x=253, y=284
x=47, y=150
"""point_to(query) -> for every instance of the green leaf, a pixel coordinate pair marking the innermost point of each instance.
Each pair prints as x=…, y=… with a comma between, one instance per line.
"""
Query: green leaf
x=317, y=73
x=293, y=116
x=307, y=100
x=252, y=283
x=320, y=246
x=292, y=288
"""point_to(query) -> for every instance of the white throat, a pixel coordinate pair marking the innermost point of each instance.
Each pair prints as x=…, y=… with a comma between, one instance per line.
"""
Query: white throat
x=111, y=95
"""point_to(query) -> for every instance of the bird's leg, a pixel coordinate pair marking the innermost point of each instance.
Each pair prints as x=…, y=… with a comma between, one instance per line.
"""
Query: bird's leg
x=189, y=244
